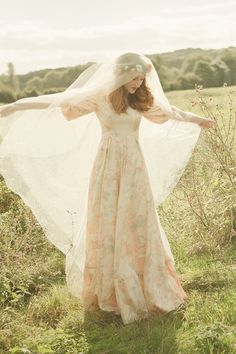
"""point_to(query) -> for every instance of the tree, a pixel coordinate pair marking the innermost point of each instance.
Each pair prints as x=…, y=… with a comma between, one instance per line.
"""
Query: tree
x=221, y=72
x=190, y=62
x=7, y=95
x=229, y=57
x=205, y=73
x=188, y=81
x=53, y=78
x=12, y=80
x=35, y=83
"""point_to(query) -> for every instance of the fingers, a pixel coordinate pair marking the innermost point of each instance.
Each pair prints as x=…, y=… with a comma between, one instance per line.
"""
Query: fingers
x=69, y=111
x=66, y=109
x=208, y=123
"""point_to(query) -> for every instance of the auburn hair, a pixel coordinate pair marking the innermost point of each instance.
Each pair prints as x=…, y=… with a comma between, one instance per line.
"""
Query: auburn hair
x=141, y=100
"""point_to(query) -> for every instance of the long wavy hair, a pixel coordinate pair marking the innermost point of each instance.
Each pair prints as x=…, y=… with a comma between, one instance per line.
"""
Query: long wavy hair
x=141, y=100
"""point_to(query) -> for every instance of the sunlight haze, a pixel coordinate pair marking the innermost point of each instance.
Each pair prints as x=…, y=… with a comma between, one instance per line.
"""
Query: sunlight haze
x=37, y=35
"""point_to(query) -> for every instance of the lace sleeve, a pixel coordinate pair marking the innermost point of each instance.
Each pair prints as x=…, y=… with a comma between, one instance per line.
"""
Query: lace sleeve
x=73, y=111
x=70, y=110
x=191, y=117
x=28, y=103
x=157, y=115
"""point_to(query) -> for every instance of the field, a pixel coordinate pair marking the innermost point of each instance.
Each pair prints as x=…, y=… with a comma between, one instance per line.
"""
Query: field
x=38, y=315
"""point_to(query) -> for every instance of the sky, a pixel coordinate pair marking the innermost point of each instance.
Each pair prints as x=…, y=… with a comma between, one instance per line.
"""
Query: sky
x=55, y=33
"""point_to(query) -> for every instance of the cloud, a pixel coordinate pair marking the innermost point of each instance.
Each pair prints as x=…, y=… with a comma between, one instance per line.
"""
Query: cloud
x=32, y=46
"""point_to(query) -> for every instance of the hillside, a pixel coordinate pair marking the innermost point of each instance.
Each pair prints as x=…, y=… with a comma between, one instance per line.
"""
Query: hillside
x=38, y=315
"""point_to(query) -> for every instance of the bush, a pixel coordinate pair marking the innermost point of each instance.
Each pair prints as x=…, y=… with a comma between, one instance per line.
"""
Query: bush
x=7, y=96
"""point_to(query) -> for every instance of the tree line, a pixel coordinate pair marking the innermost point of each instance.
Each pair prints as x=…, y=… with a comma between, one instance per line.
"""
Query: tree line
x=178, y=70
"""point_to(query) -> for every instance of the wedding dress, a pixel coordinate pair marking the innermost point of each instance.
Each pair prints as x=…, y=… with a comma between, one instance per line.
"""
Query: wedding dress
x=127, y=268
x=96, y=201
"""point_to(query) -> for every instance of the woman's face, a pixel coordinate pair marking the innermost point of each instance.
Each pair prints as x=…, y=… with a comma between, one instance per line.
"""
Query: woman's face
x=132, y=85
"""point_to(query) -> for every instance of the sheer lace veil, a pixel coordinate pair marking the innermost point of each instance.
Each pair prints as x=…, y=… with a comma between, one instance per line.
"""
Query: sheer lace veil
x=47, y=160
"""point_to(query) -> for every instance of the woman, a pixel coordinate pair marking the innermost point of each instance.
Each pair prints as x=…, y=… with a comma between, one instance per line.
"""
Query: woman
x=118, y=257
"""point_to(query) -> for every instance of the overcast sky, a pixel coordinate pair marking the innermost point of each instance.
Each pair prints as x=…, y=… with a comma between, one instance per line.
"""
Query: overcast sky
x=53, y=33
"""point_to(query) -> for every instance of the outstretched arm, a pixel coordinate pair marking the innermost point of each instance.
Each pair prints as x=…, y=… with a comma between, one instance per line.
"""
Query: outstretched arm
x=157, y=115
x=191, y=117
x=38, y=102
x=69, y=110
x=73, y=111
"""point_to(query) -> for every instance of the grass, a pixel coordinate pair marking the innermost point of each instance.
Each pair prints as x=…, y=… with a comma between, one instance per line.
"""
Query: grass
x=38, y=315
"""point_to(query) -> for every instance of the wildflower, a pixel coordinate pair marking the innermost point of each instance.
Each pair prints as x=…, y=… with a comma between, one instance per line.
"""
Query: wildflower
x=139, y=67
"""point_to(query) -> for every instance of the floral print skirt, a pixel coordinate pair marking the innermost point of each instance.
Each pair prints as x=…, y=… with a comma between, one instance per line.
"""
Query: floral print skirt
x=126, y=267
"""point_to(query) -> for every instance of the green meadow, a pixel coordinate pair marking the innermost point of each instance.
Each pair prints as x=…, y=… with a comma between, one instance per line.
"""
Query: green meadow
x=38, y=315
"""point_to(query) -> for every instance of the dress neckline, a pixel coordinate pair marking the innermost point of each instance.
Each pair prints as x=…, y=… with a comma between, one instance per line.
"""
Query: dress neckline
x=111, y=107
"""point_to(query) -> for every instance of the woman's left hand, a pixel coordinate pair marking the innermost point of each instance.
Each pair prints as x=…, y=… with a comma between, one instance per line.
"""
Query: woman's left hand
x=207, y=123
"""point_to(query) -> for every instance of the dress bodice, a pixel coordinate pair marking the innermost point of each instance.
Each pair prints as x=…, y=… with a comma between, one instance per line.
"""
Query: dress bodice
x=117, y=124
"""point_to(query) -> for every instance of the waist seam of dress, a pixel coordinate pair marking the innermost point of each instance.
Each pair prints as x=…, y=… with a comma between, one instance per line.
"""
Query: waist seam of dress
x=110, y=133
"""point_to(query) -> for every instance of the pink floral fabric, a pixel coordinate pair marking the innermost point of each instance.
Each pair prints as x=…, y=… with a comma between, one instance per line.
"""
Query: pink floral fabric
x=127, y=269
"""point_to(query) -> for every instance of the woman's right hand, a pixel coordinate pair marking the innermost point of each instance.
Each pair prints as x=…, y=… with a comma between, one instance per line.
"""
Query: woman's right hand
x=70, y=112
x=6, y=110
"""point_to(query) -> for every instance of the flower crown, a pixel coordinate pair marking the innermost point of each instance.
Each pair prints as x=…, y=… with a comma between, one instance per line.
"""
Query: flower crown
x=138, y=67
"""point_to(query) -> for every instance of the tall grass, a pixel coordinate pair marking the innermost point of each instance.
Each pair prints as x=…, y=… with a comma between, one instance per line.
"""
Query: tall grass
x=38, y=315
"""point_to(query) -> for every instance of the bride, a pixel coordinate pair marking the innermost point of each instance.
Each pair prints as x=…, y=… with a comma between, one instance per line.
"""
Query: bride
x=93, y=163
